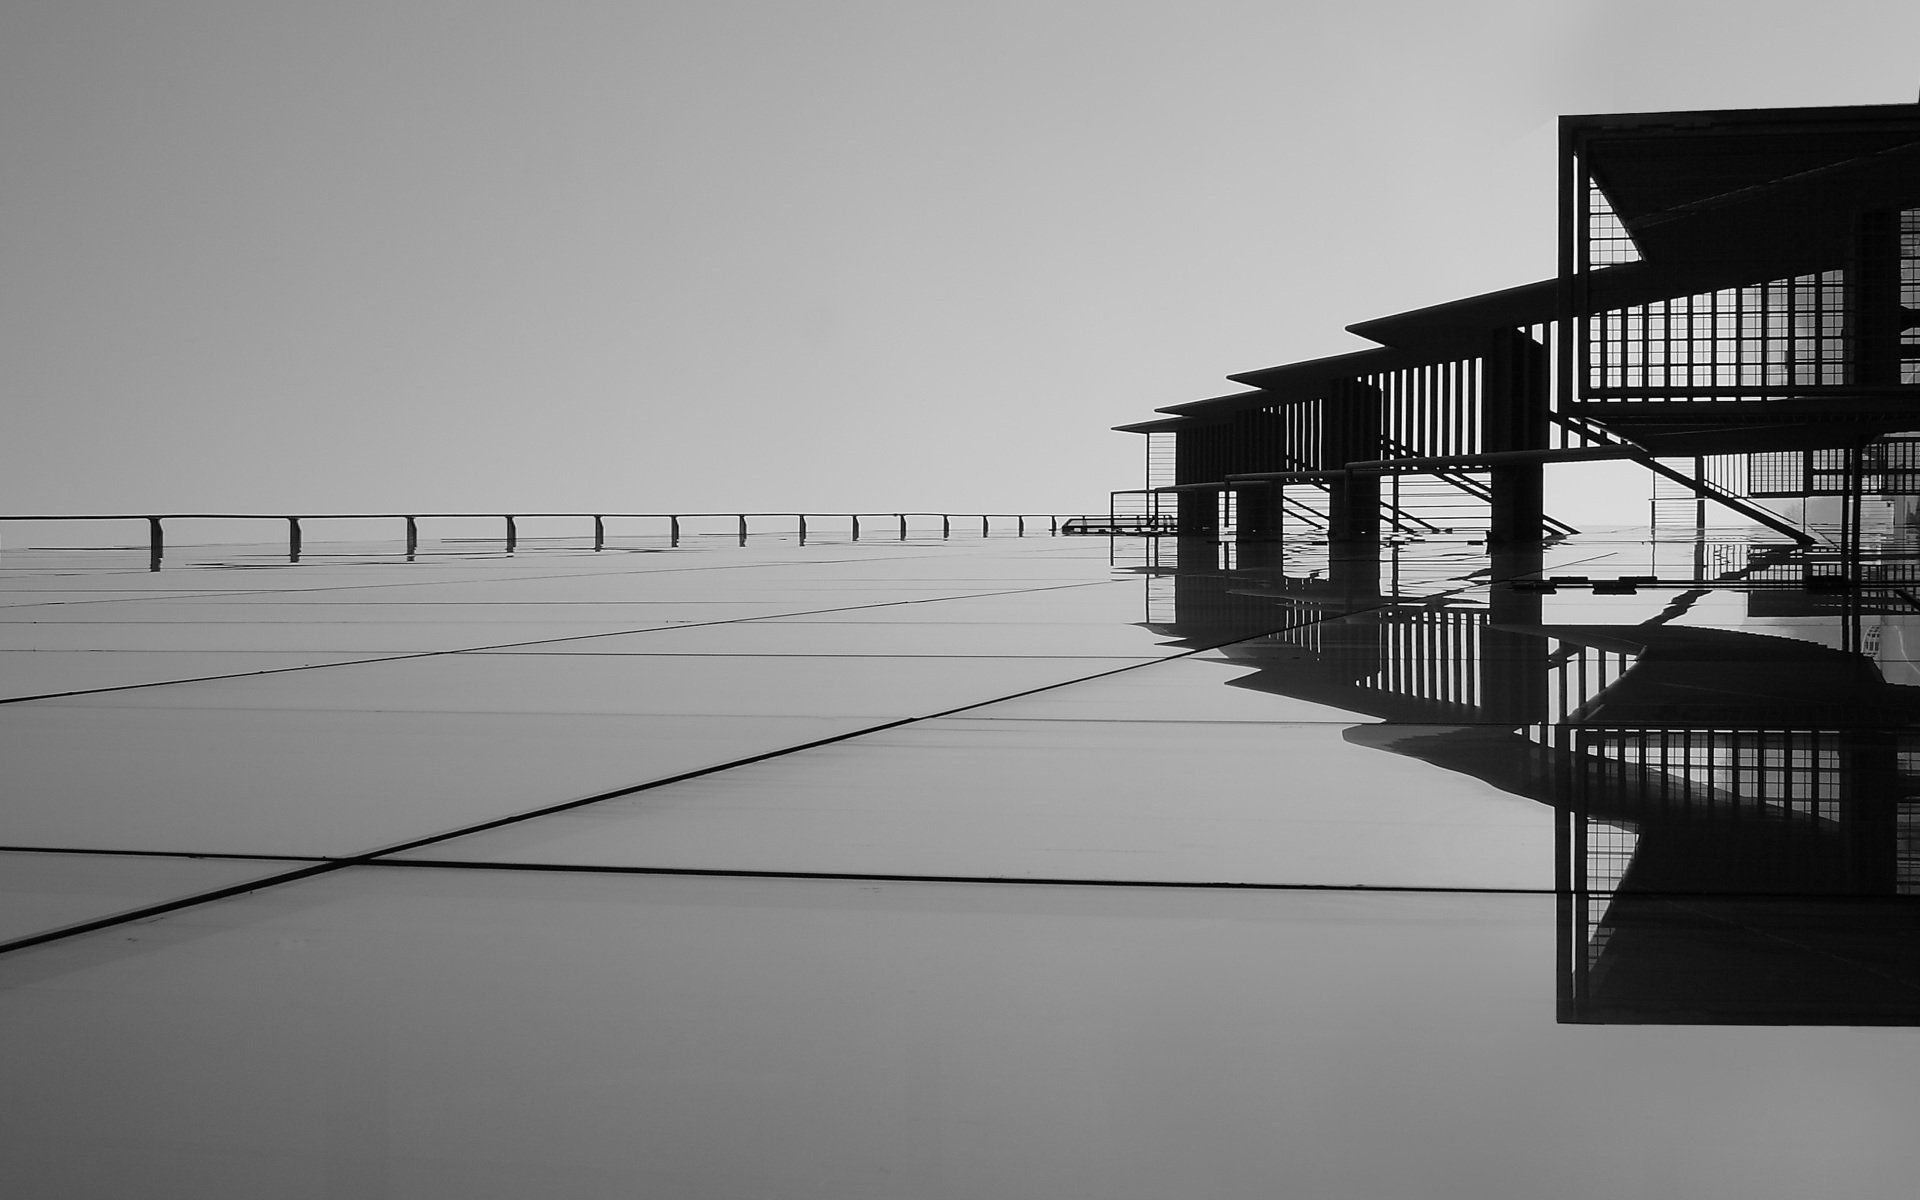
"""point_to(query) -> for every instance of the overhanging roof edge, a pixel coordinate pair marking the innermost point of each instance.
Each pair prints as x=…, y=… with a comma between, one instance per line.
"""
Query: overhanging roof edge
x=1229, y=402
x=1695, y=119
x=1525, y=304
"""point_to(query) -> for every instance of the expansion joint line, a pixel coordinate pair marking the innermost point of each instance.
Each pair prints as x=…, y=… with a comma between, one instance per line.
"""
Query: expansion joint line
x=579, y=637
x=383, y=856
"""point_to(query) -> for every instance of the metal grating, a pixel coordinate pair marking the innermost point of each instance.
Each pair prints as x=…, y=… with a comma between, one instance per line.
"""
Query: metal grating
x=1910, y=293
x=1160, y=459
x=1744, y=341
x=1608, y=243
x=1796, y=773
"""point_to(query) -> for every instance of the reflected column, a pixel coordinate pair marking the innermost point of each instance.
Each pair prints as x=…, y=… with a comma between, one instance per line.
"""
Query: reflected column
x=1513, y=664
x=1870, y=795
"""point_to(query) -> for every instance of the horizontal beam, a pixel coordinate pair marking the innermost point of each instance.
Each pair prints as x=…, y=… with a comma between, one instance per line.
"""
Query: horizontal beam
x=1495, y=458
x=1451, y=462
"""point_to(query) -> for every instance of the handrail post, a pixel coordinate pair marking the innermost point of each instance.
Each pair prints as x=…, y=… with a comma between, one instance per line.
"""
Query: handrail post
x=293, y=539
x=743, y=529
x=513, y=535
x=673, y=531
x=903, y=525
x=983, y=525
x=413, y=538
x=855, y=518
x=803, y=528
x=946, y=525
x=156, y=543
x=1020, y=526
x=599, y=533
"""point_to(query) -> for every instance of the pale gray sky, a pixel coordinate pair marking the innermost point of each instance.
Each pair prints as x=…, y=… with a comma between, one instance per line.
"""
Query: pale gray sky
x=575, y=255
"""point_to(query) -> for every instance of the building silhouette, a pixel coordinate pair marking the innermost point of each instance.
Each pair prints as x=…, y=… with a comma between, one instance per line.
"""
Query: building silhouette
x=1737, y=815
x=1735, y=309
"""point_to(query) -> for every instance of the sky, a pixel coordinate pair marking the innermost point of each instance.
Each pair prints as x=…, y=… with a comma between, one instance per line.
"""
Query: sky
x=822, y=255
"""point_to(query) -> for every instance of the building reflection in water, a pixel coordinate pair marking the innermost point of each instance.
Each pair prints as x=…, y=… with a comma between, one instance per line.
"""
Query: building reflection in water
x=1736, y=308
x=1736, y=810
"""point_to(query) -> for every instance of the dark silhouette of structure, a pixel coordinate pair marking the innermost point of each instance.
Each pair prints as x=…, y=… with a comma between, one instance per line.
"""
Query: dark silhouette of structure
x=1737, y=814
x=1737, y=308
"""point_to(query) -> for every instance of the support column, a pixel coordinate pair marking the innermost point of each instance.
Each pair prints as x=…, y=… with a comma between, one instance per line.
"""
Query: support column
x=1350, y=432
x=1513, y=663
x=1197, y=513
x=1262, y=527
x=1199, y=456
x=1513, y=416
x=1262, y=517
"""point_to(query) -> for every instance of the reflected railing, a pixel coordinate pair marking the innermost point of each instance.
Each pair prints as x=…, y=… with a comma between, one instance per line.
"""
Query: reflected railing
x=601, y=533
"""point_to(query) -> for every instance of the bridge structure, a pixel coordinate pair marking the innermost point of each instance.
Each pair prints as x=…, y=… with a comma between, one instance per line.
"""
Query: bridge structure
x=1736, y=308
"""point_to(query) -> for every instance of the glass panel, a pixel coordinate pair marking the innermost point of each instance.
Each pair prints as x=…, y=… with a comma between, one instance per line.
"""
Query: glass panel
x=1070, y=799
x=52, y=672
x=1213, y=686
x=45, y=891
x=291, y=781
x=1117, y=601
x=723, y=685
x=424, y=634
x=466, y=1034
x=795, y=635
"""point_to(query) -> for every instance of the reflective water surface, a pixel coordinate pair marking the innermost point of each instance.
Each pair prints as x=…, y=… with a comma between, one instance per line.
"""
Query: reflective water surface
x=970, y=869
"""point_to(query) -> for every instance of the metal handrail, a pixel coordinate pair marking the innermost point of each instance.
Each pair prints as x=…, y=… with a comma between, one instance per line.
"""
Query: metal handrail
x=895, y=521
